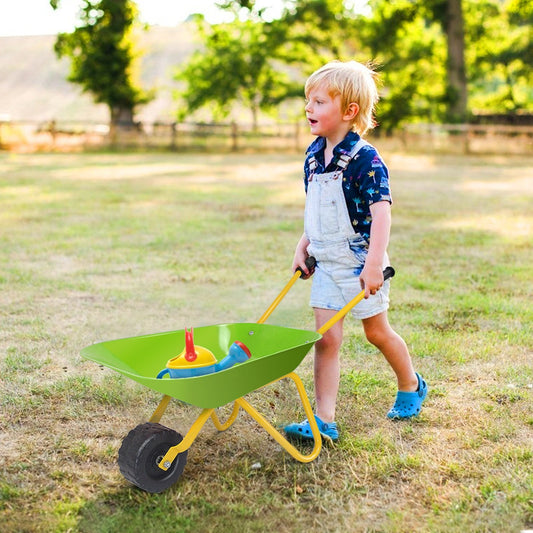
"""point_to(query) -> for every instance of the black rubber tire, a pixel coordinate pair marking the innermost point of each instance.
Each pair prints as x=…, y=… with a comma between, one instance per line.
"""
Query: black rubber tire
x=141, y=451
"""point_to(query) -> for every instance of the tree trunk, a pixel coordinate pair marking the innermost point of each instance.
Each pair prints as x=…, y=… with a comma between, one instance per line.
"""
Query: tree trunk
x=121, y=123
x=255, y=122
x=457, y=88
x=122, y=118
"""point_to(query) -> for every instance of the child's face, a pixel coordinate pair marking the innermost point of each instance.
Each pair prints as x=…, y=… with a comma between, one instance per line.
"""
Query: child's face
x=324, y=114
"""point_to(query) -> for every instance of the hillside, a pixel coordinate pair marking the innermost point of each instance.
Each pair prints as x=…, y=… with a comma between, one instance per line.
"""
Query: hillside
x=33, y=84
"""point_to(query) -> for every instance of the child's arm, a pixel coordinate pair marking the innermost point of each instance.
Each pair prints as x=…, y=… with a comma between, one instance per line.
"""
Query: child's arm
x=300, y=255
x=371, y=277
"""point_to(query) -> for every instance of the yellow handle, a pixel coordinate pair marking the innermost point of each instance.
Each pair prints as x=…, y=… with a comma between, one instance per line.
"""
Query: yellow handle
x=310, y=263
x=387, y=273
x=280, y=297
x=342, y=313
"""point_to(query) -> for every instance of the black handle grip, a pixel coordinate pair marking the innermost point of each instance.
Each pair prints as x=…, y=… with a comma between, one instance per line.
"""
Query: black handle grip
x=388, y=273
x=310, y=263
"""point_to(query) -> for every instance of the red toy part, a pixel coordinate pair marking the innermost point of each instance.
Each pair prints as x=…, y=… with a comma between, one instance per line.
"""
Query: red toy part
x=244, y=348
x=190, y=352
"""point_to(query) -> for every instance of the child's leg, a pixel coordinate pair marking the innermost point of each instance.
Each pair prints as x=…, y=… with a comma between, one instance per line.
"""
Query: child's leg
x=327, y=365
x=379, y=332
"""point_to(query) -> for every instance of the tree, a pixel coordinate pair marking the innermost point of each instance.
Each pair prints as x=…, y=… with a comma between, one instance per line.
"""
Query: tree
x=489, y=54
x=500, y=55
x=391, y=22
x=104, y=58
x=260, y=63
x=439, y=59
x=239, y=64
x=308, y=32
x=453, y=25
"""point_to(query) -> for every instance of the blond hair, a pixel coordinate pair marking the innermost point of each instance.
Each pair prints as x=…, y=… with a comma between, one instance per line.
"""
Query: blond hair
x=354, y=82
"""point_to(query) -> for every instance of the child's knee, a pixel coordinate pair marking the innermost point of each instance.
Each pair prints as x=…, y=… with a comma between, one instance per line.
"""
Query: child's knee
x=378, y=336
x=374, y=337
x=329, y=342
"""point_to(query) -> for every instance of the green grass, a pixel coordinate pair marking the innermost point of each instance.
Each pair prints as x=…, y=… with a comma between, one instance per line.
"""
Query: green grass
x=103, y=246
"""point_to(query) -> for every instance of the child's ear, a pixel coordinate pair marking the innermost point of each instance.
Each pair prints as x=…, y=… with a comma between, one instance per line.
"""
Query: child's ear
x=351, y=111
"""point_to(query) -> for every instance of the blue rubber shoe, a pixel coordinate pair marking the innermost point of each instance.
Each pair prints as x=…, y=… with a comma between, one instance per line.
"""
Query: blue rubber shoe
x=302, y=431
x=408, y=404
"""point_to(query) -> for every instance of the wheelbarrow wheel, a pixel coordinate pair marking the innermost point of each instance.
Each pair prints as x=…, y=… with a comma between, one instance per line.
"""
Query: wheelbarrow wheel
x=141, y=452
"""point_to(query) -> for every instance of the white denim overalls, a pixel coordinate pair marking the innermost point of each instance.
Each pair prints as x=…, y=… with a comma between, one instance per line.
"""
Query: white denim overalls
x=340, y=251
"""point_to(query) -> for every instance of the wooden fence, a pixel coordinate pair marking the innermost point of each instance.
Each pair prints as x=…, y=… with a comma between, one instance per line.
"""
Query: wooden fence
x=278, y=137
x=209, y=137
x=468, y=138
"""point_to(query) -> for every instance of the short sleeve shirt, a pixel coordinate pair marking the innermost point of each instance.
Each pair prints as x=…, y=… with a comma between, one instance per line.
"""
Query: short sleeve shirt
x=365, y=180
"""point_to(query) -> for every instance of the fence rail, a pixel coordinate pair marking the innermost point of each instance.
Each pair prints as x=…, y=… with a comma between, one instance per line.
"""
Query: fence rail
x=469, y=138
x=233, y=137
x=210, y=137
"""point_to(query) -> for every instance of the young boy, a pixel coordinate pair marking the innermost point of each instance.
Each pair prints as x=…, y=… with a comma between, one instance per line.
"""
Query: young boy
x=346, y=228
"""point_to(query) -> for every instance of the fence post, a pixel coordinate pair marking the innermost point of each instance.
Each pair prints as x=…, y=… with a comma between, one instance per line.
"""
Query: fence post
x=234, y=137
x=174, y=136
x=52, y=129
x=468, y=135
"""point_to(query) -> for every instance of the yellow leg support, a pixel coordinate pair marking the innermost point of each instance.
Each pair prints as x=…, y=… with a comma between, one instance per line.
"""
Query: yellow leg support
x=185, y=444
x=161, y=408
x=278, y=437
x=187, y=441
x=229, y=422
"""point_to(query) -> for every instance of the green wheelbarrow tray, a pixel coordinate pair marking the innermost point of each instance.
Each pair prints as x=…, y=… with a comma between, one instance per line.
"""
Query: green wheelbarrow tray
x=153, y=456
x=276, y=351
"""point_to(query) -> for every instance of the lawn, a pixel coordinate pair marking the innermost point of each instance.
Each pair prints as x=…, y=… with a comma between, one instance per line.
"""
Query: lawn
x=104, y=246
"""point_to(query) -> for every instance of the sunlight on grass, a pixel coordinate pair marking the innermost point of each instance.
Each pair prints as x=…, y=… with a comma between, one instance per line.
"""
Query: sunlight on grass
x=512, y=228
x=507, y=182
x=110, y=170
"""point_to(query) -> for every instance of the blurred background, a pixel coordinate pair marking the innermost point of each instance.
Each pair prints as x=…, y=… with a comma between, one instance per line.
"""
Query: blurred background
x=75, y=74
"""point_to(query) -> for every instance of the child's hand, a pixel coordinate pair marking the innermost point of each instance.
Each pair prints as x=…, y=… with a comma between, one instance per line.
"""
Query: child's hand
x=300, y=255
x=299, y=263
x=371, y=279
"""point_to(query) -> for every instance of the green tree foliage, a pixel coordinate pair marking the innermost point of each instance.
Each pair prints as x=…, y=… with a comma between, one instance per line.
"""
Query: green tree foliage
x=500, y=55
x=103, y=56
x=239, y=64
x=396, y=26
x=320, y=29
x=431, y=54
x=259, y=63
x=413, y=74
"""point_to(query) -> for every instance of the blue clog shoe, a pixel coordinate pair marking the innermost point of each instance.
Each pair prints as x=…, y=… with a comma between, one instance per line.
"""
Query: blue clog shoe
x=408, y=404
x=328, y=431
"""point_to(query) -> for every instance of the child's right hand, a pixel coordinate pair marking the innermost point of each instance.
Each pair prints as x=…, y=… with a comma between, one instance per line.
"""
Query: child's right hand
x=300, y=255
x=299, y=263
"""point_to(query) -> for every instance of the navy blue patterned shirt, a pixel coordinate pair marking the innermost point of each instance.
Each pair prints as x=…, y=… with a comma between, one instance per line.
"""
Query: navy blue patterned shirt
x=365, y=181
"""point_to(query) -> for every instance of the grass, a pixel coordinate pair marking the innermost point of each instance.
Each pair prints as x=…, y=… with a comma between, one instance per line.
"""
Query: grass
x=102, y=246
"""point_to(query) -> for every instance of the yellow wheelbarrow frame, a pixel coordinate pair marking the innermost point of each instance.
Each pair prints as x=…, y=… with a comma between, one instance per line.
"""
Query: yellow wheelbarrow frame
x=241, y=403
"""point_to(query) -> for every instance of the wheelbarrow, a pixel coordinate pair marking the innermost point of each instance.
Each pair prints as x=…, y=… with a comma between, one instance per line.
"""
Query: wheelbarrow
x=153, y=456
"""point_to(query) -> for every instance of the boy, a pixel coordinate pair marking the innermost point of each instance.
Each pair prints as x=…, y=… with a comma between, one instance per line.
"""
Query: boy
x=346, y=229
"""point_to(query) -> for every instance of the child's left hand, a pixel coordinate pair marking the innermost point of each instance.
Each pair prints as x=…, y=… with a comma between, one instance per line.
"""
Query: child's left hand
x=371, y=279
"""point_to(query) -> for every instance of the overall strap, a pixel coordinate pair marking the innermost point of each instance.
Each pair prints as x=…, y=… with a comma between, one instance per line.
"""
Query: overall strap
x=345, y=159
x=342, y=161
